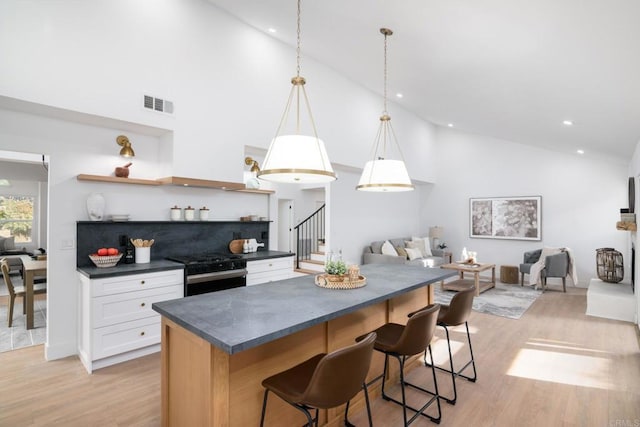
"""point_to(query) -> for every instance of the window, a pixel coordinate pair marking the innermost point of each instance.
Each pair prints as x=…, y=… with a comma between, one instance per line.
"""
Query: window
x=16, y=217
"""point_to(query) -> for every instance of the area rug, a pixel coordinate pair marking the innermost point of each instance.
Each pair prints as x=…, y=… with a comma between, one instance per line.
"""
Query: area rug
x=18, y=336
x=510, y=301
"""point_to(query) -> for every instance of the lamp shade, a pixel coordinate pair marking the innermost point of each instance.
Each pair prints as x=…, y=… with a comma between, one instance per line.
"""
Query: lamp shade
x=297, y=159
x=436, y=232
x=384, y=175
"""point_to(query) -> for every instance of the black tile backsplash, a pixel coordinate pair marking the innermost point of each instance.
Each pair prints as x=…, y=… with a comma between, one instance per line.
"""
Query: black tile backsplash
x=171, y=237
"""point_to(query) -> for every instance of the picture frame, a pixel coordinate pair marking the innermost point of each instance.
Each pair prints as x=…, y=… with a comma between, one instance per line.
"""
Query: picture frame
x=511, y=218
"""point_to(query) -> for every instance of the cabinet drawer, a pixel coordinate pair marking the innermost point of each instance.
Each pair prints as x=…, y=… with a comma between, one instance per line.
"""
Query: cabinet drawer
x=117, y=308
x=136, y=282
x=283, y=263
x=123, y=337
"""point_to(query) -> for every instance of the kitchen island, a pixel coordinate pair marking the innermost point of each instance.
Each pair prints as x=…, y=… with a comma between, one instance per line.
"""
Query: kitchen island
x=217, y=348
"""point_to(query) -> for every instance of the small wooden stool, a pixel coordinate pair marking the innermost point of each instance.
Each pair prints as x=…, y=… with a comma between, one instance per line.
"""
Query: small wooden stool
x=509, y=274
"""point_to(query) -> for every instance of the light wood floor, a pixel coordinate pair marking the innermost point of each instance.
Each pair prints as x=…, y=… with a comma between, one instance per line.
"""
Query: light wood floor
x=553, y=367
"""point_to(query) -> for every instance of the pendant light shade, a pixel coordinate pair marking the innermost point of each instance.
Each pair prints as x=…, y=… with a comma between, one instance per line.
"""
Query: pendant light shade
x=385, y=175
x=382, y=173
x=294, y=157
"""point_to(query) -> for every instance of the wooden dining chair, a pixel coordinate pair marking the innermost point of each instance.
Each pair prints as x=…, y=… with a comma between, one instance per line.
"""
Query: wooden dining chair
x=17, y=291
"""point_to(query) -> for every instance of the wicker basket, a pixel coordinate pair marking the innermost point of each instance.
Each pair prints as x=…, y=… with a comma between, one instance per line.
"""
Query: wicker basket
x=105, y=261
x=333, y=281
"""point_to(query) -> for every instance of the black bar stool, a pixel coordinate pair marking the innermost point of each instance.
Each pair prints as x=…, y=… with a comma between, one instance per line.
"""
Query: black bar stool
x=401, y=342
x=324, y=381
x=454, y=314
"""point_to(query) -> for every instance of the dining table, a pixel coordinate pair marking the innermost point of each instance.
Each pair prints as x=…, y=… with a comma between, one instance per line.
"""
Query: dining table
x=31, y=269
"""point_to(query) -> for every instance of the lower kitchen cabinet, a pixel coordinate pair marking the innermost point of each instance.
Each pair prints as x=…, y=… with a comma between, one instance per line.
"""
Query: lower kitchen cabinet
x=116, y=321
x=268, y=270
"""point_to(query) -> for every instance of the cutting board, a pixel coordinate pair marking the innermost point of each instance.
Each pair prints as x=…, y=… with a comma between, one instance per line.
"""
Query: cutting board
x=235, y=246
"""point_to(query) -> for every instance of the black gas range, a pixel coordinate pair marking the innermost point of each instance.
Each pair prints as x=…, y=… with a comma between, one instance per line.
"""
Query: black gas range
x=211, y=272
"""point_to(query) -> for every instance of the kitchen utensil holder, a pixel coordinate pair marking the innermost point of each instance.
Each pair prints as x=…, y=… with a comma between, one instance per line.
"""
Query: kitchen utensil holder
x=143, y=255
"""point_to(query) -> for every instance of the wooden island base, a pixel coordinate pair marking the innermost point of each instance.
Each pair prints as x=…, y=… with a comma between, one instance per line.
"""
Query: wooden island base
x=203, y=385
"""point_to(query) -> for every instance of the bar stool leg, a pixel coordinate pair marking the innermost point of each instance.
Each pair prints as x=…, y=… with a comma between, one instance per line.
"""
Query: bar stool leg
x=366, y=399
x=310, y=421
x=451, y=371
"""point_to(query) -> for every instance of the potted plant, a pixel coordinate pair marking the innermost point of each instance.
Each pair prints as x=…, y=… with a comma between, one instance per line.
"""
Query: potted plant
x=336, y=268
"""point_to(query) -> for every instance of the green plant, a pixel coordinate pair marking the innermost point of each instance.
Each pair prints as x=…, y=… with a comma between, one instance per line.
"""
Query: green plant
x=335, y=267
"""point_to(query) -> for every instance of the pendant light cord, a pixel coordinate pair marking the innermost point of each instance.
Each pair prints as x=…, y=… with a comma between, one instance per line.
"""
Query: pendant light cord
x=385, y=73
x=298, y=44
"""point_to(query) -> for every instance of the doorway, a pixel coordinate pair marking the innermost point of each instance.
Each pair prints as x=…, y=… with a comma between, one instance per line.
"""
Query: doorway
x=285, y=225
x=24, y=197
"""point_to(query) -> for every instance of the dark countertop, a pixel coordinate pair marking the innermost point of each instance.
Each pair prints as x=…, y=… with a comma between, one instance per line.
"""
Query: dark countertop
x=256, y=256
x=125, y=269
x=238, y=319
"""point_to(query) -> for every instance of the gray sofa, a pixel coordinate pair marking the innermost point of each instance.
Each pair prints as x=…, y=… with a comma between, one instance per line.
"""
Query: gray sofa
x=372, y=254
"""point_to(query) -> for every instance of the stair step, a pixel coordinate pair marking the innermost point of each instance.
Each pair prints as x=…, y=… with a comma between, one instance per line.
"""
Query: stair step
x=315, y=266
x=304, y=271
x=316, y=256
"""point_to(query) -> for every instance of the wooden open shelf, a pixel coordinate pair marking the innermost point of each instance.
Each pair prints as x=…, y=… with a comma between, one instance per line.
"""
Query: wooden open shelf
x=627, y=226
x=178, y=181
x=115, y=179
x=192, y=182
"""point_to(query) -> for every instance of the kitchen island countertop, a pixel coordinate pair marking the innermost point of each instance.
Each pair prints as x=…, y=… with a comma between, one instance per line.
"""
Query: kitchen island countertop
x=239, y=319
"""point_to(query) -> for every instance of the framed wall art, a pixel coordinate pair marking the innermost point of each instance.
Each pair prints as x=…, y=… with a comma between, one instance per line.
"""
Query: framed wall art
x=515, y=218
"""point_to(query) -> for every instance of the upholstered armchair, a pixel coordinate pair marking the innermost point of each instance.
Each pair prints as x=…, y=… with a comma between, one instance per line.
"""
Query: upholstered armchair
x=556, y=265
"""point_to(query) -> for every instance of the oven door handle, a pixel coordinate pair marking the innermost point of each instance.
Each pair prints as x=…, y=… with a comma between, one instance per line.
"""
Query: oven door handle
x=219, y=275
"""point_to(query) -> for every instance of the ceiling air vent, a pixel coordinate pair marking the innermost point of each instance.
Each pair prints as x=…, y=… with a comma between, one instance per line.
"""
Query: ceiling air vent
x=158, y=104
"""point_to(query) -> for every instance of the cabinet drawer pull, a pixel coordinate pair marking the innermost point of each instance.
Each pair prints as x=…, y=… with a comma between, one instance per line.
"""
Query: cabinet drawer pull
x=142, y=305
x=142, y=333
x=270, y=265
x=142, y=282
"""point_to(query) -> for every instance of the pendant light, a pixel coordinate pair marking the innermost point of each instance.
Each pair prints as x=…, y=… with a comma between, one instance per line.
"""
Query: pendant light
x=382, y=173
x=297, y=158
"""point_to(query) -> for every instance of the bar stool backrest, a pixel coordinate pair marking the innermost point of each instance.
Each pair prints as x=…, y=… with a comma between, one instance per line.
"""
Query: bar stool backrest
x=339, y=375
x=459, y=307
x=418, y=332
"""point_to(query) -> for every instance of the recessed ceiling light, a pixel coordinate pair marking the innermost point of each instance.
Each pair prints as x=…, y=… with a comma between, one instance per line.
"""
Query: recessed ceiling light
x=272, y=30
x=5, y=183
x=567, y=122
x=450, y=125
x=580, y=151
x=399, y=95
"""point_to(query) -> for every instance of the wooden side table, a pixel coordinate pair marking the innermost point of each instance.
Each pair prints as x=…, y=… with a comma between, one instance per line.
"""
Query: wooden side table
x=475, y=269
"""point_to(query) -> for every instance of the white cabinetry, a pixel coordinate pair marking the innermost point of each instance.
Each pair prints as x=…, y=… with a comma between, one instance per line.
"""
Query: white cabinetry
x=117, y=322
x=268, y=270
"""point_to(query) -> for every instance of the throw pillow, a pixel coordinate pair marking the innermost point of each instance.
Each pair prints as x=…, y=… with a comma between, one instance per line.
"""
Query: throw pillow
x=424, y=244
x=427, y=246
x=413, y=253
x=410, y=244
x=401, y=251
x=376, y=247
x=387, y=249
x=9, y=243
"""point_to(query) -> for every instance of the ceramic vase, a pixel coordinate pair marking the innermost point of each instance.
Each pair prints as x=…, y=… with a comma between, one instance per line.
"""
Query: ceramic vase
x=95, y=206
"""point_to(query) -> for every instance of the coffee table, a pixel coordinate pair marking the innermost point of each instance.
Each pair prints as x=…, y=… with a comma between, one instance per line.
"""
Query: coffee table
x=475, y=269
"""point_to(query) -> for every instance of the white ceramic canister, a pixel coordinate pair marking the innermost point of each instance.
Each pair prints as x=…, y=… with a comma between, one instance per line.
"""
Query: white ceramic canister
x=143, y=254
x=176, y=213
x=204, y=213
x=189, y=213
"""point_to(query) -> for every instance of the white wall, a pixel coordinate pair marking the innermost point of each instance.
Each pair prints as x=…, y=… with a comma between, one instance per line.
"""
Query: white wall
x=358, y=217
x=581, y=197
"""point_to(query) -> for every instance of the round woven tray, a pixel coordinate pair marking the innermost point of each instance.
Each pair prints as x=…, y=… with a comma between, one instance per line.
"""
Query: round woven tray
x=331, y=281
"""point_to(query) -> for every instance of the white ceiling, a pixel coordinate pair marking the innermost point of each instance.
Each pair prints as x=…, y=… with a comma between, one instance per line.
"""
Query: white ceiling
x=510, y=69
